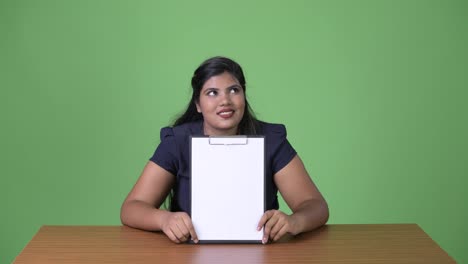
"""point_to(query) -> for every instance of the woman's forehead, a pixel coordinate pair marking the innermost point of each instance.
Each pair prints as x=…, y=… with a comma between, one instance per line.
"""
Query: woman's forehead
x=220, y=81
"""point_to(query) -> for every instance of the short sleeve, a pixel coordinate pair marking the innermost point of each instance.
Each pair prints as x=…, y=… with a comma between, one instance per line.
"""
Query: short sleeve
x=165, y=154
x=281, y=150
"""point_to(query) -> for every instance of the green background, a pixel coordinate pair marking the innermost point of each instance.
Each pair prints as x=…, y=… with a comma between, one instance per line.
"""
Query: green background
x=373, y=94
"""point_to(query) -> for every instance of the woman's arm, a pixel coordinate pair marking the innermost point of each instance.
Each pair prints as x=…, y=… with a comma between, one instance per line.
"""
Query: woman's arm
x=309, y=208
x=141, y=207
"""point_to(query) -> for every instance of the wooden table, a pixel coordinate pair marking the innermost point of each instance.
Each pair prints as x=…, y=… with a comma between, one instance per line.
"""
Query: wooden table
x=398, y=243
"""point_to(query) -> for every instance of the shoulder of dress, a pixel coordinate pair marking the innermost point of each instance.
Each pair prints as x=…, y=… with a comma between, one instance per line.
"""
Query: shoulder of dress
x=270, y=128
x=186, y=129
x=166, y=132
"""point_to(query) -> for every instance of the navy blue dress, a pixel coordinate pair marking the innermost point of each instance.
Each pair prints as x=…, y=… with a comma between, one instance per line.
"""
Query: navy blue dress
x=173, y=155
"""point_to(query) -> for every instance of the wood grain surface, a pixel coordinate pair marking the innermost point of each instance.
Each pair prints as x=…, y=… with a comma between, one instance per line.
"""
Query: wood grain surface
x=389, y=243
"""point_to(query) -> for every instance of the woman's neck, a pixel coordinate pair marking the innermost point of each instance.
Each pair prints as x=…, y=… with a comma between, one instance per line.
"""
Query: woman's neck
x=219, y=132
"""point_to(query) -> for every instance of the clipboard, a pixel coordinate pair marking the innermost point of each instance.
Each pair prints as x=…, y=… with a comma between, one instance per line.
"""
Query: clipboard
x=227, y=186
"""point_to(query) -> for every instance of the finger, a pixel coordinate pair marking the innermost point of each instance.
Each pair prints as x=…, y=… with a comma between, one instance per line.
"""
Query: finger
x=183, y=231
x=276, y=228
x=168, y=230
x=271, y=222
x=191, y=229
x=172, y=237
x=176, y=231
x=267, y=229
x=264, y=219
x=281, y=233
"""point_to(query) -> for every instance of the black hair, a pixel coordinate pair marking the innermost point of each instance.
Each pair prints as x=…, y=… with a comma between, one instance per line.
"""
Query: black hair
x=213, y=67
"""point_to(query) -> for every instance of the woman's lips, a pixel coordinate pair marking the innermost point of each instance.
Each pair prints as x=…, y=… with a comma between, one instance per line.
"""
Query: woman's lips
x=226, y=113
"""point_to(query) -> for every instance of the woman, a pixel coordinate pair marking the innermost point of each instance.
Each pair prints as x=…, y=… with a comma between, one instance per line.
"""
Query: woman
x=219, y=107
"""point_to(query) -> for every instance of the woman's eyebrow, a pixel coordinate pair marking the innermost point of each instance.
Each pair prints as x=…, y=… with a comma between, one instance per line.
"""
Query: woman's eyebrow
x=234, y=86
x=229, y=87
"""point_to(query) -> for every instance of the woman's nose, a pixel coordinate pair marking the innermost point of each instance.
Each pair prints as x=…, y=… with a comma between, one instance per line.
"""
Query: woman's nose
x=226, y=98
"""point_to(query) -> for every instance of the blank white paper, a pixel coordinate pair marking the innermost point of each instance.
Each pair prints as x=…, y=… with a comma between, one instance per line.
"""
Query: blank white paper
x=227, y=187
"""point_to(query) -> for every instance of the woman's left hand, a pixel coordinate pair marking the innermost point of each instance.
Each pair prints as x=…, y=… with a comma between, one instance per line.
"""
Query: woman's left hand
x=276, y=224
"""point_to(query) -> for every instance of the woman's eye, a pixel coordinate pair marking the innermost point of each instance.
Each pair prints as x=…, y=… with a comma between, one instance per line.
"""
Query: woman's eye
x=234, y=90
x=212, y=93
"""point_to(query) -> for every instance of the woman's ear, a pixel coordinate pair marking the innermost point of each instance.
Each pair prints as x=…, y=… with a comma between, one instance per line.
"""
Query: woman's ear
x=198, y=107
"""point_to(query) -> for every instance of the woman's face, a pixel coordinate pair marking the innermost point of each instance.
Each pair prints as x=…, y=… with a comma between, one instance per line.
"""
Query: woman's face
x=222, y=104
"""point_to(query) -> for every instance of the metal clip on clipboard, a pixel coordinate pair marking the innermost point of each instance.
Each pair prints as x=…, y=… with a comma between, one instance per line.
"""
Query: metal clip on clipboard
x=230, y=140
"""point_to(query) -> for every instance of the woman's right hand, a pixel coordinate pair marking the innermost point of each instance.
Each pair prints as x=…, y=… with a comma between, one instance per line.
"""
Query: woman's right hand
x=178, y=227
